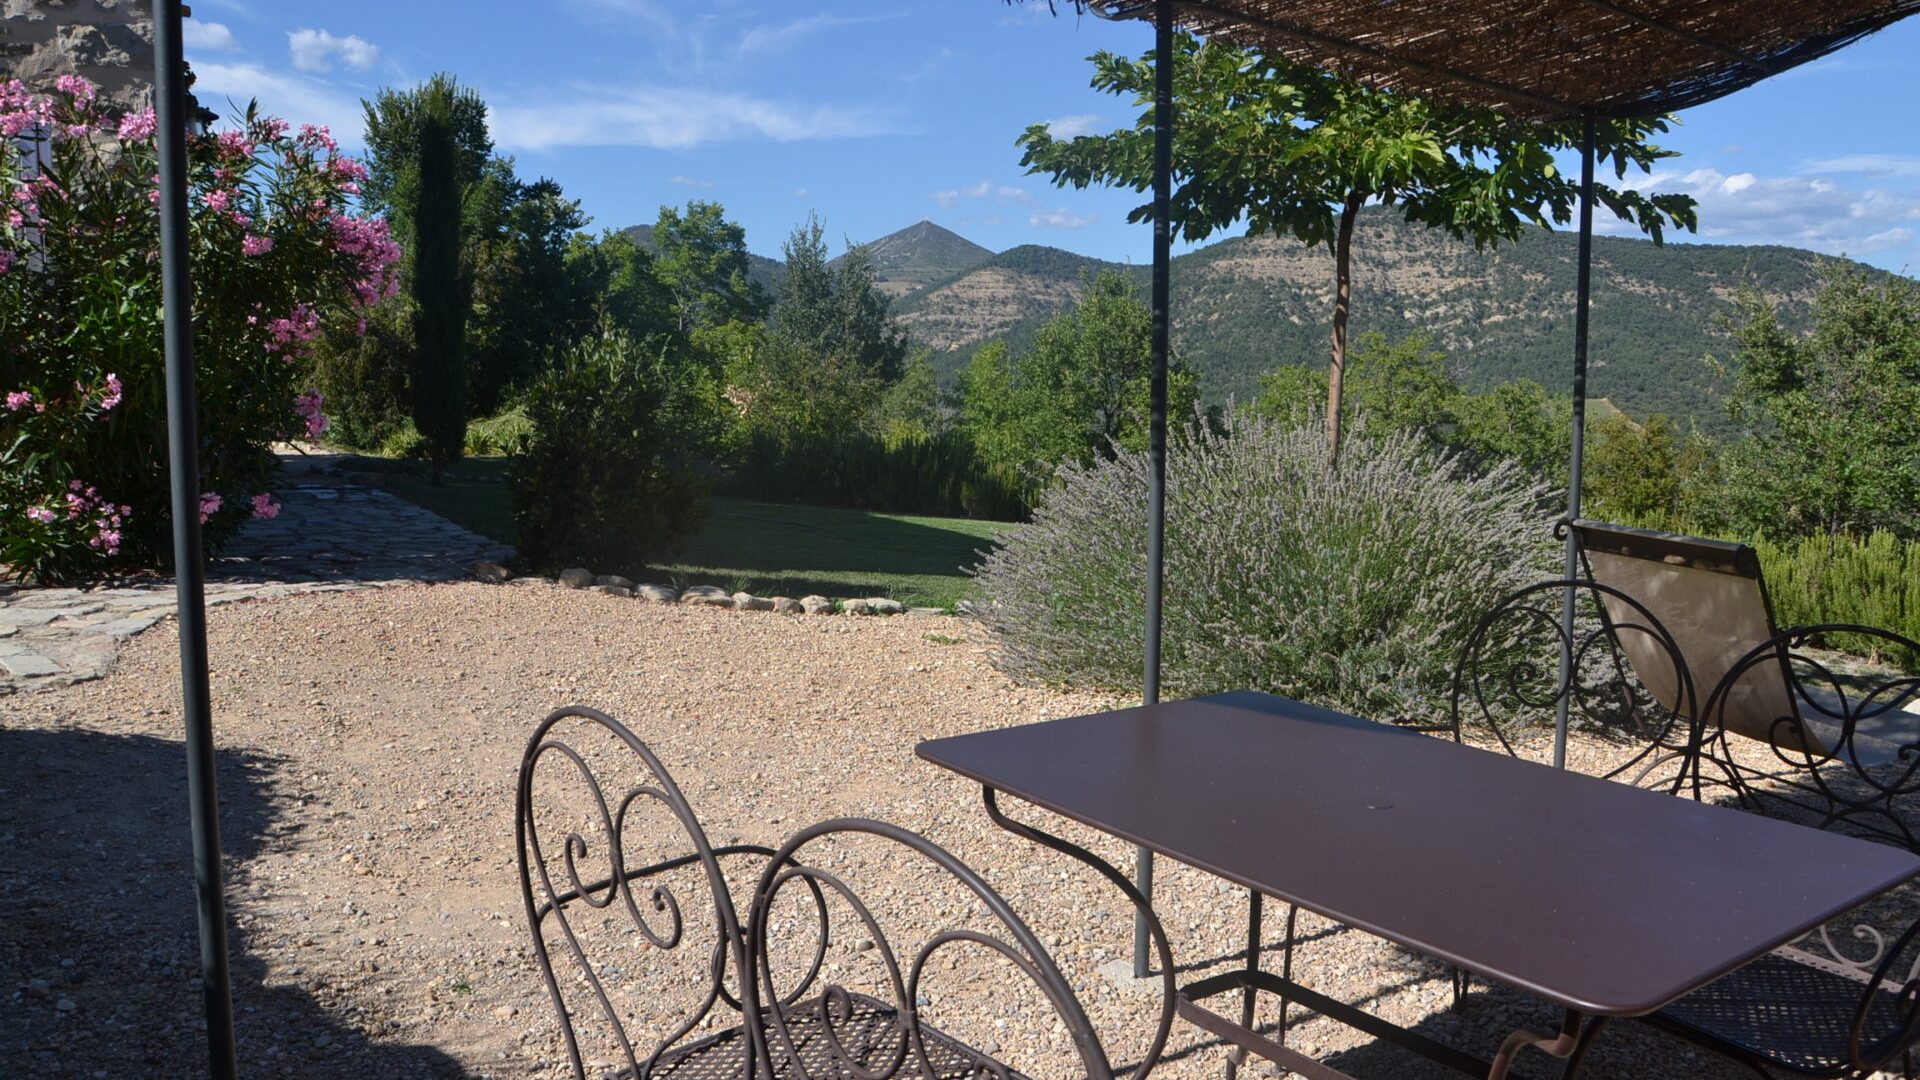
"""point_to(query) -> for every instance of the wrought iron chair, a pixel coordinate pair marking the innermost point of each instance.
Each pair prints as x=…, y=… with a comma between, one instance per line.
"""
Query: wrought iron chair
x=842, y=1033
x=1816, y=1009
x=1821, y=1008
x=1618, y=672
x=1847, y=742
x=668, y=909
x=764, y=1000
x=1841, y=754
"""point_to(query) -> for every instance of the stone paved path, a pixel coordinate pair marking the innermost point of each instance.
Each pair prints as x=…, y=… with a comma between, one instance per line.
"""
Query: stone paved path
x=328, y=537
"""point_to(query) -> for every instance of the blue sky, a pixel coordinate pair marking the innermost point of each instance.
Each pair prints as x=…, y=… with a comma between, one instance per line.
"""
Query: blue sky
x=878, y=115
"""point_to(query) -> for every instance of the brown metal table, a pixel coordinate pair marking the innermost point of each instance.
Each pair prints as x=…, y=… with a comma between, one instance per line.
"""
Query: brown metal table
x=1604, y=899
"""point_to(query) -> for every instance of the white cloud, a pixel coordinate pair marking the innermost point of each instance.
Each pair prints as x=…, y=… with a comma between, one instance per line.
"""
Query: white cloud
x=226, y=88
x=778, y=39
x=688, y=181
x=801, y=193
x=1870, y=164
x=1061, y=218
x=670, y=118
x=315, y=50
x=1072, y=127
x=1005, y=193
x=1812, y=212
x=208, y=36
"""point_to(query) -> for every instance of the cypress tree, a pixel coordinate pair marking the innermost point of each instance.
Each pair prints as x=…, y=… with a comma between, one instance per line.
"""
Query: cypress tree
x=442, y=291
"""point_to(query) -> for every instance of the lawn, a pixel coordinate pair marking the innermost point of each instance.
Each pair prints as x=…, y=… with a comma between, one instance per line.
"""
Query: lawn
x=767, y=549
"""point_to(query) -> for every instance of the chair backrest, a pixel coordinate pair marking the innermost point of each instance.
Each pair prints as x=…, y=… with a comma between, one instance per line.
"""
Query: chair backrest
x=1710, y=596
x=599, y=881
x=1519, y=666
x=955, y=918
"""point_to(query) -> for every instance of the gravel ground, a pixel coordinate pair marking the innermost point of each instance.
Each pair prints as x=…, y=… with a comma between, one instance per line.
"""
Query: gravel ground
x=369, y=744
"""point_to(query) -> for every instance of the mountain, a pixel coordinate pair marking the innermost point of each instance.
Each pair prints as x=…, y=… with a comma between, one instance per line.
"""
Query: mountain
x=920, y=255
x=1242, y=307
x=903, y=262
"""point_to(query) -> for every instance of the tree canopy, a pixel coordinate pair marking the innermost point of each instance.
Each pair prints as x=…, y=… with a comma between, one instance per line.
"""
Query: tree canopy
x=1288, y=149
x=1078, y=391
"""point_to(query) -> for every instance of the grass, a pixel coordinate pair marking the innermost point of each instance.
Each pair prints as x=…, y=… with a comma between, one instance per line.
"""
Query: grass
x=767, y=549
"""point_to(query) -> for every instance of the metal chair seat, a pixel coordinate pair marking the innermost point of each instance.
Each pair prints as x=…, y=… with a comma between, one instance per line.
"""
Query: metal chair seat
x=1788, y=1009
x=870, y=1037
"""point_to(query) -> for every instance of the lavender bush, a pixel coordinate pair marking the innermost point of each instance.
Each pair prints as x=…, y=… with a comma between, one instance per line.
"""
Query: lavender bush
x=1351, y=587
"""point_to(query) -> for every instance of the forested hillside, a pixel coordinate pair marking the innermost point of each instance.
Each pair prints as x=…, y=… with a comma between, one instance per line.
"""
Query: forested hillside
x=1244, y=306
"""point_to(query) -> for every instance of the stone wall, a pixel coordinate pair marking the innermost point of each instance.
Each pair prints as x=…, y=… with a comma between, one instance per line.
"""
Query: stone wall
x=108, y=41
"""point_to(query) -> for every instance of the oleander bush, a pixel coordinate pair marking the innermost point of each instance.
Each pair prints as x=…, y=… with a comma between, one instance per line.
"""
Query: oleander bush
x=616, y=463
x=277, y=257
x=1351, y=586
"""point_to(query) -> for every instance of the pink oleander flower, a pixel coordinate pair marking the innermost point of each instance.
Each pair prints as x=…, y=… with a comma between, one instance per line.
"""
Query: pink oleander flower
x=19, y=399
x=219, y=199
x=112, y=396
x=312, y=138
x=6, y=260
x=270, y=129
x=137, y=125
x=41, y=514
x=76, y=87
x=254, y=246
x=236, y=143
x=309, y=406
x=264, y=507
x=209, y=506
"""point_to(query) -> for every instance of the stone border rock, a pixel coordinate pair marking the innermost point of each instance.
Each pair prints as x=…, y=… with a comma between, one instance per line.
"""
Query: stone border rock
x=579, y=577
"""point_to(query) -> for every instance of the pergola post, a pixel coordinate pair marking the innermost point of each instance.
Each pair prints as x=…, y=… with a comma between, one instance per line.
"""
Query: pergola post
x=1157, y=424
x=1583, y=288
x=183, y=441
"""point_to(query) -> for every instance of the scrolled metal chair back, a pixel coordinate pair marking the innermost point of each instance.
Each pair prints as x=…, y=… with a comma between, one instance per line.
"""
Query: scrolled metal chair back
x=842, y=1033
x=589, y=885
x=1848, y=763
x=1886, y=1025
x=1520, y=664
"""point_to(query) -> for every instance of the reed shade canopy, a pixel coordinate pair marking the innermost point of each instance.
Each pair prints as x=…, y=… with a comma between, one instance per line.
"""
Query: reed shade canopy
x=1540, y=59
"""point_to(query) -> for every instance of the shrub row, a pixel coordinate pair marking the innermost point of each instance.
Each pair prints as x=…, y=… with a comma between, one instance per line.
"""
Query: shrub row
x=1841, y=578
x=938, y=475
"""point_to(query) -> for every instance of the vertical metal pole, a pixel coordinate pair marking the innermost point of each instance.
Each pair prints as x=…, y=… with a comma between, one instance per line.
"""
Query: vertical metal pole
x=183, y=439
x=1582, y=292
x=1157, y=430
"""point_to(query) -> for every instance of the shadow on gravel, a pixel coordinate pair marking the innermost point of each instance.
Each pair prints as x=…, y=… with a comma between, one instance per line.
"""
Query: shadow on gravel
x=1481, y=1022
x=97, y=921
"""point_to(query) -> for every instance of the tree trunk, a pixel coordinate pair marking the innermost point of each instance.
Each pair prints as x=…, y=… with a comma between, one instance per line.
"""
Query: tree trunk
x=1342, y=304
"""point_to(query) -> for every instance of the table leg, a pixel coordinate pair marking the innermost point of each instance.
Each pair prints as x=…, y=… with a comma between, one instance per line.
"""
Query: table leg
x=1253, y=968
x=1286, y=967
x=1576, y=1037
x=1141, y=905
